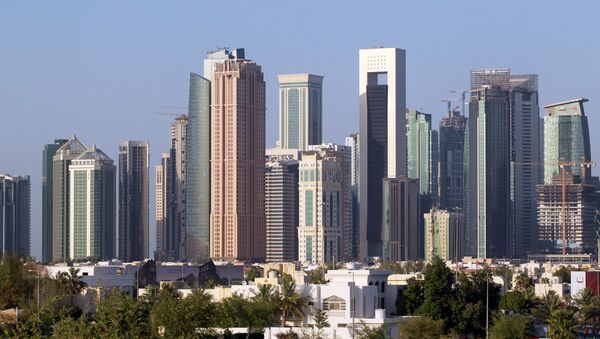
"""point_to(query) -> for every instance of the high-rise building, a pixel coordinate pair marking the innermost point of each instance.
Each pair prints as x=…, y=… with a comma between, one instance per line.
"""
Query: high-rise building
x=325, y=231
x=566, y=139
x=488, y=168
x=177, y=177
x=353, y=141
x=197, y=200
x=281, y=210
x=581, y=203
x=218, y=56
x=420, y=151
x=92, y=205
x=443, y=235
x=237, y=221
x=60, y=196
x=451, y=161
x=300, y=110
x=525, y=158
x=277, y=153
x=382, y=90
x=133, y=200
x=15, y=214
x=166, y=248
x=401, y=232
x=47, y=191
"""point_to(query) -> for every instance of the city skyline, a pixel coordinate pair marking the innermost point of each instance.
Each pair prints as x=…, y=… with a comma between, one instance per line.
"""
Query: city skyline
x=70, y=116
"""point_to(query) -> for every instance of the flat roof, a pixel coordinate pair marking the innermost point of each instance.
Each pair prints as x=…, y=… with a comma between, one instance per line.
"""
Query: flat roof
x=572, y=101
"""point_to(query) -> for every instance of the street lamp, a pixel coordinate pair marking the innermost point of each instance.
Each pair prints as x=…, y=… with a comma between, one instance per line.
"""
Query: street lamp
x=352, y=303
x=38, y=285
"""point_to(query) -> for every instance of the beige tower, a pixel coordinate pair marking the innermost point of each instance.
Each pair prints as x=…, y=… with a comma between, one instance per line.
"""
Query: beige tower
x=237, y=218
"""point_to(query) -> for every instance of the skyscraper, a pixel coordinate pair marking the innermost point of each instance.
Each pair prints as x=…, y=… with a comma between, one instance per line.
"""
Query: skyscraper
x=197, y=200
x=15, y=214
x=300, y=110
x=525, y=158
x=421, y=152
x=60, y=196
x=165, y=237
x=281, y=210
x=218, y=56
x=325, y=231
x=451, y=168
x=177, y=177
x=402, y=234
x=353, y=141
x=92, y=205
x=237, y=221
x=47, y=191
x=566, y=138
x=488, y=168
x=382, y=90
x=133, y=200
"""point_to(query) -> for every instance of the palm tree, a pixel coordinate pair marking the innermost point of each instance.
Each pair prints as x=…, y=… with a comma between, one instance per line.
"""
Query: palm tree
x=291, y=304
x=522, y=282
x=550, y=302
x=265, y=293
x=71, y=283
x=561, y=324
x=589, y=313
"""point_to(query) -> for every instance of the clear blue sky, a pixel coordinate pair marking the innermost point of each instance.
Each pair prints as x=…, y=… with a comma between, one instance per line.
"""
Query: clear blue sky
x=101, y=68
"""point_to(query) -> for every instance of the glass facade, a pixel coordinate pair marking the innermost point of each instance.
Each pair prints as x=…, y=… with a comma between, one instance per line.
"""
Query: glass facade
x=198, y=171
x=47, y=189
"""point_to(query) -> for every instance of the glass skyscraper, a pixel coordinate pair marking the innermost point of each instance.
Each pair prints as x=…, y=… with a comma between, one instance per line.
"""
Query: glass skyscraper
x=488, y=173
x=451, y=167
x=198, y=171
x=133, y=200
x=421, y=149
x=300, y=110
x=566, y=138
x=47, y=189
x=15, y=214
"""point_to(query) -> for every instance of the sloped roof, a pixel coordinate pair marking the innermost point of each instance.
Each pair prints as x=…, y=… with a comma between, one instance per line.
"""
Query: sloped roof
x=94, y=153
x=73, y=146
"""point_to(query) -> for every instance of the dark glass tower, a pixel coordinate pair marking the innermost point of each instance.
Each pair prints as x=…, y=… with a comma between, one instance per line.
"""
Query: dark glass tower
x=133, y=200
x=47, y=188
x=488, y=170
x=15, y=213
x=452, y=142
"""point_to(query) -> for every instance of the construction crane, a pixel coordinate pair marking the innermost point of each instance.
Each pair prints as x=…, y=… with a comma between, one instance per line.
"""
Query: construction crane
x=168, y=113
x=450, y=109
x=563, y=165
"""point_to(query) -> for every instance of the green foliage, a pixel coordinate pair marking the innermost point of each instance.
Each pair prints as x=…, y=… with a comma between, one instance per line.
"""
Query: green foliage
x=421, y=327
x=437, y=291
x=367, y=332
x=411, y=297
x=70, y=328
x=523, y=282
x=291, y=304
x=17, y=283
x=317, y=276
x=564, y=272
x=403, y=267
x=589, y=313
x=321, y=319
x=561, y=324
x=511, y=327
x=519, y=301
x=251, y=274
x=118, y=315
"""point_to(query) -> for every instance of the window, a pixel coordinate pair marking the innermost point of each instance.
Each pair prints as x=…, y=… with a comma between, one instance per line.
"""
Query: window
x=334, y=303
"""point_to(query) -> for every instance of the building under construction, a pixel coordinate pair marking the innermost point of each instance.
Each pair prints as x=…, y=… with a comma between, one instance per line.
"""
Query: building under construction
x=581, y=200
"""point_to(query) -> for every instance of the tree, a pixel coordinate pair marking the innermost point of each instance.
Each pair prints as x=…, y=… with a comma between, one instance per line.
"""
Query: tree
x=265, y=293
x=292, y=304
x=320, y=319
x=437, y=291
x=523, y=282
x=317, y=276
x=251, y=274
x=16, y=282
x=519, y=301
x=71, y=283
x=564, y=272
x=469, y=305
x=411, y=297
x=561, y=324
x=511, y=327
x=589, y=313
x=71, y=328
x=367, y=332
x=421, y=327
x=118, y=316
x=548, y=304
